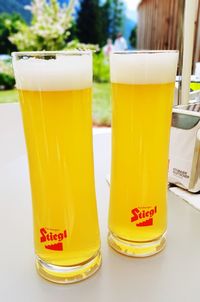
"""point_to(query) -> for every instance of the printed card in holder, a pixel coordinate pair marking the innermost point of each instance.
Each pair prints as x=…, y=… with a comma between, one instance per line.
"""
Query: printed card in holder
x=184, y=164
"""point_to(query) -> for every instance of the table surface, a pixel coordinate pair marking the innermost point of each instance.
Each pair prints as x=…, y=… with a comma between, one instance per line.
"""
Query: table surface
x=172, y=275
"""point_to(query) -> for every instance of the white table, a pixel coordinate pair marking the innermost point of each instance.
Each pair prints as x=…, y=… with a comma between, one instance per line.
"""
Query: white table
x=171, y=276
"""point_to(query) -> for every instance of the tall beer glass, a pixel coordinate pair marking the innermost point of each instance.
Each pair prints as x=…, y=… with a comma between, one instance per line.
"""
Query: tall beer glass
x=142, y=95
x=55, y=90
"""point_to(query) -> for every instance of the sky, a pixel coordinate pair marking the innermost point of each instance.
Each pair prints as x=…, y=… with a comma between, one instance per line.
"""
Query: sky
x=131, y=9
x=132, y=4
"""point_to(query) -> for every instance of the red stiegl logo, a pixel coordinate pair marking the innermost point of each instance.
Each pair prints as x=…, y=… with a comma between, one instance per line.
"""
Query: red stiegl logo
x=144, y=216
x=50, y=236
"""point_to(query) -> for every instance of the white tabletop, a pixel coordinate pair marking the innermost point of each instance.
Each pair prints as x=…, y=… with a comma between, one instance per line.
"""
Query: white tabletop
x=171, y=276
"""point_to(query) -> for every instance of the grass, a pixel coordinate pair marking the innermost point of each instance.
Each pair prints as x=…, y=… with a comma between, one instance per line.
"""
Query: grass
x=8, y=96
x=101, y=107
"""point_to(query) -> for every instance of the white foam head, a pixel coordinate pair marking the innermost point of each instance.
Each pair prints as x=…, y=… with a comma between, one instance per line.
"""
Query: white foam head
x=65, y=71
x=152, y=67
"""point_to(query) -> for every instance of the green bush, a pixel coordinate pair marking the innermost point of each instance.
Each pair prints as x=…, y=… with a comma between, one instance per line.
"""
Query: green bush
x=9, y=24
x=101, y=68
x=49, y=27
x=76, y=45
x=6, y=81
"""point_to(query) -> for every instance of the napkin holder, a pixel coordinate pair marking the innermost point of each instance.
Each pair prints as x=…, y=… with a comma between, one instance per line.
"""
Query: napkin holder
x=184, y=155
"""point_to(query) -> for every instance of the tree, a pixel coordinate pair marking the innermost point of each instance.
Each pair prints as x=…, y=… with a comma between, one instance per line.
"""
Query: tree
x=133, y=37
x=106, y=19
x=9, y=24
x=117, y=15
x=49, y=27
x=98, y=22
x=89, y=27
x=112, y=17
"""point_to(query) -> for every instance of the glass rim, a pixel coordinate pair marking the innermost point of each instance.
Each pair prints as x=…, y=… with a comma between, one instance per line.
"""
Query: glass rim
x=45, y=53
x=128, y=52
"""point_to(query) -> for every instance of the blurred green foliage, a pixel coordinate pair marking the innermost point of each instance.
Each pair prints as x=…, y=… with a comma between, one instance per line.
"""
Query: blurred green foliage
x=7, y=80
x=99, y=20
x=133, y=37
x=49, y=27
x=89, y=21
x=9, y=24
x=101, y=106
x=75, y=44
x=8, y=96
x=101, y=68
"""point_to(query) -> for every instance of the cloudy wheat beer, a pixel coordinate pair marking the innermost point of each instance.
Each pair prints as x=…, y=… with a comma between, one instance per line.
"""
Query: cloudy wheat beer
x=55, y=97
x=142, y=95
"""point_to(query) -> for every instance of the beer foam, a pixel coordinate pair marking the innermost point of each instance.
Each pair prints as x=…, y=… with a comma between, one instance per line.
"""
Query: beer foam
x=65, y=72
x=143, y=67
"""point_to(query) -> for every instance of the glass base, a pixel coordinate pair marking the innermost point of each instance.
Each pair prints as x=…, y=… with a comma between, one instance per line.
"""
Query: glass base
x=68, y=274
x=136, y=249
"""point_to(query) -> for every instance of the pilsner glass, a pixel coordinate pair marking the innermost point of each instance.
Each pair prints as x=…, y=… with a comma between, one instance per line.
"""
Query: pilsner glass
x=142, y=96
x=55, y=90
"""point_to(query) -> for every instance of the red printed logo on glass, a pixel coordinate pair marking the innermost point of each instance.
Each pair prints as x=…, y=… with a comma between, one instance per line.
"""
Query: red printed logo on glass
x=143, y=216
x=53, y=239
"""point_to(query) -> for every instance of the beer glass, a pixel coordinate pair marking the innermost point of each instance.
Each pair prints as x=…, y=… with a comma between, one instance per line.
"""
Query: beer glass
x=142, y=96
x=55, y=90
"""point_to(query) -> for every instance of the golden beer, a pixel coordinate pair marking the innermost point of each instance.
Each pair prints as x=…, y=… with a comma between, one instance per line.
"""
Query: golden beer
x=58, y=122
x=141, y=119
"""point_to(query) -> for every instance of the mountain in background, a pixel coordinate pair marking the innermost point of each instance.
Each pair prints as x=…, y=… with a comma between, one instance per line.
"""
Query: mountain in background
x=130, y=22
x=15, y=6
